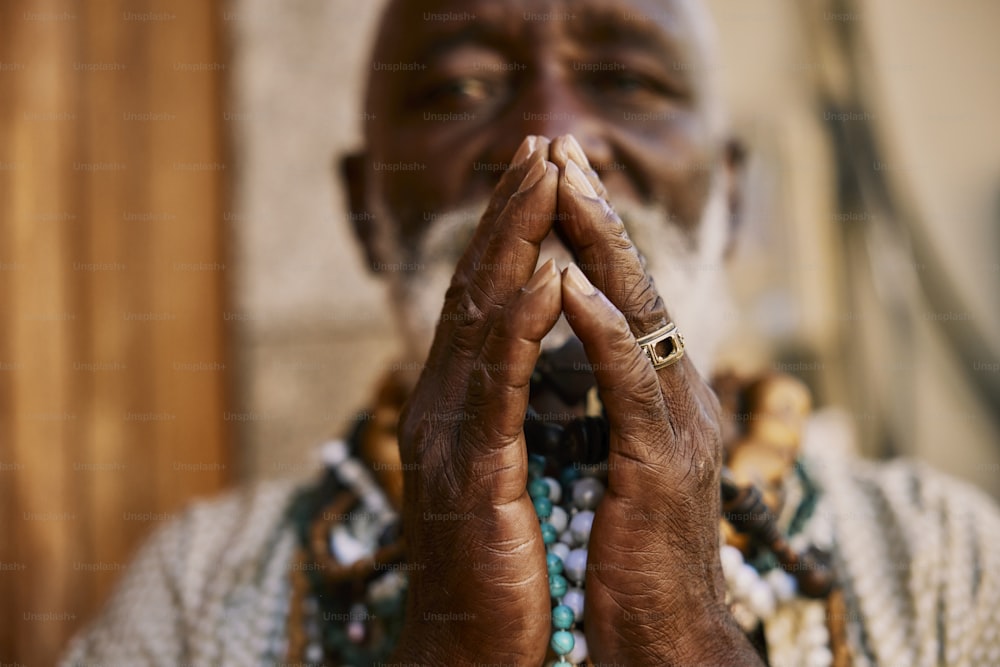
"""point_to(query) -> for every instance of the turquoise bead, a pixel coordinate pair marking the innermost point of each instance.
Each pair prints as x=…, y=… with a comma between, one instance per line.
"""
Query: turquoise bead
x=543, y=508
x=549, y=534
x=554, y=563
x=538, y=488
x=568, y=475
x=557, y=585
x=536, y=465
x=562, y=642
x=562, y=617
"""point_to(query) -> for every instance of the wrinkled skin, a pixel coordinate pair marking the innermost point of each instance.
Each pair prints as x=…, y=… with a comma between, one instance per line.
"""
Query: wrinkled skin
x=478, y=590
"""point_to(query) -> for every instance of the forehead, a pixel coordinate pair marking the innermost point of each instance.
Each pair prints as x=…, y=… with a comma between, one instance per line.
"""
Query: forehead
x=417, y=28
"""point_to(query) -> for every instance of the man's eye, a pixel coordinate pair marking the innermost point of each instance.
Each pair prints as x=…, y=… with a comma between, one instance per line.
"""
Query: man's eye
x=463, y=89
x=629, y=83
x=629, y=86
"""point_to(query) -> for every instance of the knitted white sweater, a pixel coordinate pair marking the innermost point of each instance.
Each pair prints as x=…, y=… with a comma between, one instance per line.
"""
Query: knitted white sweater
x=918, y=555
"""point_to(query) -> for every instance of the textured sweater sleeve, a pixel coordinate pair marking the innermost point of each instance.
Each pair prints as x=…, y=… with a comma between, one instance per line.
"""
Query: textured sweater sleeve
x=918, y=554
x=210, y=587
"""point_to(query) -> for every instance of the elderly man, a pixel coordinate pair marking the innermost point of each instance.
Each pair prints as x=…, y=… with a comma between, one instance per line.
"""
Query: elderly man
x=554, y=494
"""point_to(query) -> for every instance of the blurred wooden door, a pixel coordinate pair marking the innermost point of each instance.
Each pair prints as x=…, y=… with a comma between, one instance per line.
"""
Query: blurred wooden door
x=112, y=272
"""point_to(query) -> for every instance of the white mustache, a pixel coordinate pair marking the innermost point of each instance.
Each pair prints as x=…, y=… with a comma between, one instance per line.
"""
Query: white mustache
x=687, y=269
x=449, y=234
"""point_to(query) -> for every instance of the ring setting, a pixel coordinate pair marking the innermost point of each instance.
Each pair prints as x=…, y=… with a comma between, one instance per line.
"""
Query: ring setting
x=663, y=347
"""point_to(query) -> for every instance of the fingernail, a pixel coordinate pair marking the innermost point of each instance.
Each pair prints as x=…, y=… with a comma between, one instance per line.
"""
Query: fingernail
x=575, y=151
x=542, y=276
x=526, y=148
x=578, y=180
x=577, y=281
x=533, y=176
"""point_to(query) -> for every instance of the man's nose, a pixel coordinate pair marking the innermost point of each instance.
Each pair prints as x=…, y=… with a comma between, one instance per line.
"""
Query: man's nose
x=549, y=105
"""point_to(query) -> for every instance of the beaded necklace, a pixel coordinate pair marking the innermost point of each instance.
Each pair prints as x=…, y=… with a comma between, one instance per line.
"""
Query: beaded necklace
x=349, y=578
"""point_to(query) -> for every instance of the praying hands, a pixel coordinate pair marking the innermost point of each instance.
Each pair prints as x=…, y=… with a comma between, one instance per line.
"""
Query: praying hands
x=654, y=587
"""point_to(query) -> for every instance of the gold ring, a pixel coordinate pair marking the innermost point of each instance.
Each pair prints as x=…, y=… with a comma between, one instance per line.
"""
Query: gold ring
x=664, y=346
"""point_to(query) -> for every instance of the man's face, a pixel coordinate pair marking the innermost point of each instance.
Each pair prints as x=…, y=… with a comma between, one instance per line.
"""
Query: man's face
x=456, y=86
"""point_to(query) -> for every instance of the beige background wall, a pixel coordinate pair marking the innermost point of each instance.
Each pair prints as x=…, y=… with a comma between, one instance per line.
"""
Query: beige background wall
x=311, y=330
x=934, y=72
x=312, y=334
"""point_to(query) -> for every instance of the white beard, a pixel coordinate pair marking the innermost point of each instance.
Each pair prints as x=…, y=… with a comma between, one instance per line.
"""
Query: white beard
x=688, y=269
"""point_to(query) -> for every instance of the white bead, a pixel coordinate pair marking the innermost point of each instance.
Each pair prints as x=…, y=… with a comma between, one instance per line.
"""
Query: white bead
x=574, y=600
x=560, y=549
x=579, y=653
x=819, y=656
x=314, y=652
x=559, y=519
x=780, y=625
x=576, y=565
x=555, y=490
x=375, y=502
x=334, y=453
x=364, y=484
x=743, y=581
x=761, y=600
x=746, y=618
x=780, y=656
x=566, y=537
x=587, y=493
x=818, y=635
x=351, y=472
x=385, y=587
x=345, y=548
x=799, y=542
x=580, y=526
x=782, y=583
x=356, y=631
x=731, y=559
x=814, y=614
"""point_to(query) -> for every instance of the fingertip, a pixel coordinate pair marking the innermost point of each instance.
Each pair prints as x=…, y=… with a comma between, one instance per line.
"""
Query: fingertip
x=575, y=281
x=576, y=179
x=543, y=143
x=536, y=309
x=557, y=151
x=543, y=292
x=565, y=149
x=550, y=172
x=535, y=174
x=575, y=152
x=543, y=276
x=524, y=151
x=552, y=289
x=577, y=196
x=534, y=147
x=587, y=309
